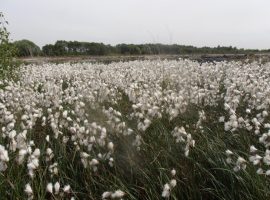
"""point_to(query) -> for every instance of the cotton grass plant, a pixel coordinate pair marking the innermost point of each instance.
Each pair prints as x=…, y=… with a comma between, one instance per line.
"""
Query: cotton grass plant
x=136, y=130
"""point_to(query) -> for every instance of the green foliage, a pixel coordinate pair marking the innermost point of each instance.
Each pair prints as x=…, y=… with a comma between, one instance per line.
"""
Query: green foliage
x=7, y=50
x=65, y=48
x=27, y=48
x=75, y=48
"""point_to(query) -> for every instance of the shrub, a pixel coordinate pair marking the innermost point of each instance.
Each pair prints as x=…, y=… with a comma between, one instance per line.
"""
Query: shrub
x=7, y=50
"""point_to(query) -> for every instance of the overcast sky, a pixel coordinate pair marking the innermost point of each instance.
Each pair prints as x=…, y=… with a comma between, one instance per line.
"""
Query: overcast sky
x=240, y=23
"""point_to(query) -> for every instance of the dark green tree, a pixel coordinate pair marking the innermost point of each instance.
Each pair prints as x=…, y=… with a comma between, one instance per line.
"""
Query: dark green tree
x=27, y=48
x=48, y=50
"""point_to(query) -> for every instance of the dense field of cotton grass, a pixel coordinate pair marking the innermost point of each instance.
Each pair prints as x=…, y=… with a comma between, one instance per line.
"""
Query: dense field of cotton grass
x=136, y=130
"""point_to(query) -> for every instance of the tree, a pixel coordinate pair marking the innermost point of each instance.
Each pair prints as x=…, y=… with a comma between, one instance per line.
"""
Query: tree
x=60, y=48
x=7, y=50
x=27, y=48
x=48, y=50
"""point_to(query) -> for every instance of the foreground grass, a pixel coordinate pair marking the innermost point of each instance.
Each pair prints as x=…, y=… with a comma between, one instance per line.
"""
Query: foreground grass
x=204, y=174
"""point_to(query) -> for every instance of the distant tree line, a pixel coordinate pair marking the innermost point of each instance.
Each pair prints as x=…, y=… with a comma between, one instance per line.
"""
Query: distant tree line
x=75, y=48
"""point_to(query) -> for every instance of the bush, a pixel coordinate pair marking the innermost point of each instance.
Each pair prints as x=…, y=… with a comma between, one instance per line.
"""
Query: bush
x=7, y=50
x=27, y=48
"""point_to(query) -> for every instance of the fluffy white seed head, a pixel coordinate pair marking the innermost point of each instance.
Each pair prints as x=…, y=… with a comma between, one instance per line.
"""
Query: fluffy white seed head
x=56, y=187
x=118, y=194
x=49, y=188
x=28, y=189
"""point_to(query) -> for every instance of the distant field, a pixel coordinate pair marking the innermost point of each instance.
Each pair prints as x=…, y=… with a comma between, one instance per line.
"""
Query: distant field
x=109, y=59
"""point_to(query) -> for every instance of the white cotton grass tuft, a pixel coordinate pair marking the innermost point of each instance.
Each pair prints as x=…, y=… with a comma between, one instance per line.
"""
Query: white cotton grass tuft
x=49, y=154
x=260, y=171
x=173, y=183
x=67, y=188
x=253, y=149
x=118, y=194
x=47, y=138
x=110, y=146
x=49, y=188
x=106, y=195
x=56, y=187
x=3, y=154
x=111, y=162
x=167, y=188
x=28, y=190
x=240, y=164
x=65, y=113
x=36, y=153
x=173, y=172
x=229, y=152
x=166, y=191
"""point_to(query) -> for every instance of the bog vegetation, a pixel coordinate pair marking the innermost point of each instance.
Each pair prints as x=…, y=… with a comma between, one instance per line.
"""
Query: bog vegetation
x=136, y=130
